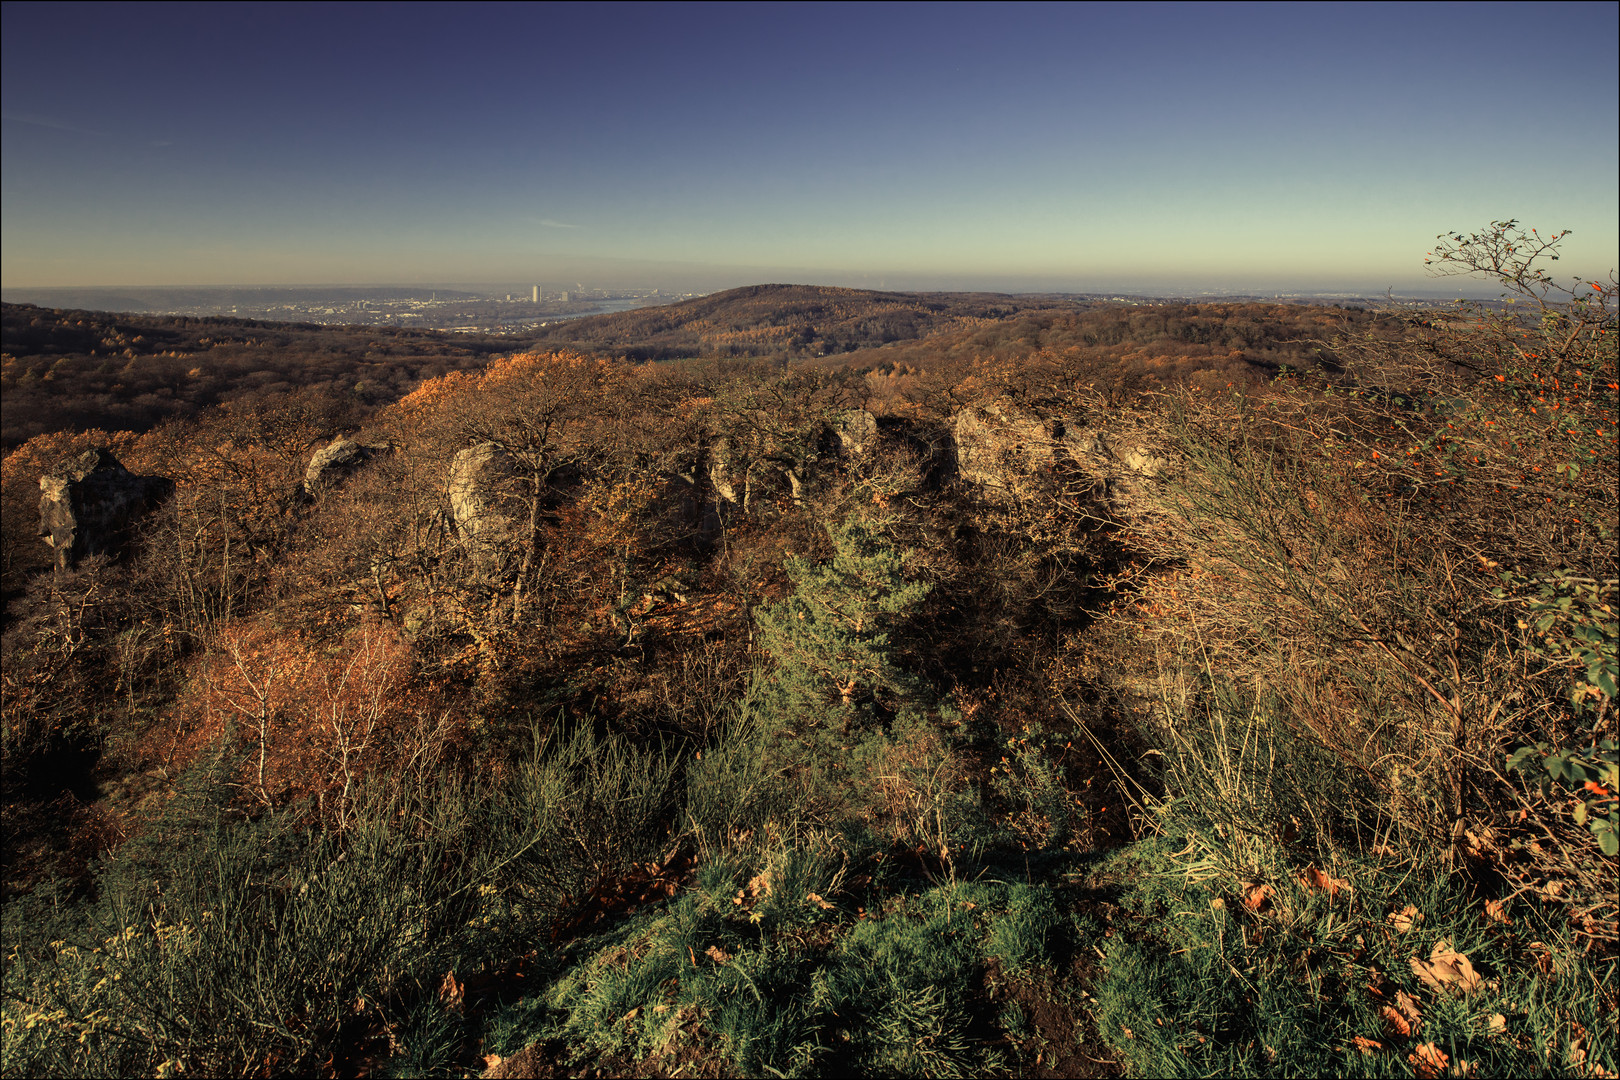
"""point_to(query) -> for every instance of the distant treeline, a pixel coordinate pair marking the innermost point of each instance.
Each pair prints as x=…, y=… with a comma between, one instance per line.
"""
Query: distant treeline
x=69, y=370
x=1120, y=349
x=74, y=370
x=177, y=299
x=786, y=320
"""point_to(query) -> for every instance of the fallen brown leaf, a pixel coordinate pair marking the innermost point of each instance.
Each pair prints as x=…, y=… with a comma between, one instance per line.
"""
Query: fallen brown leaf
x=1317, y=881
x=451, y=992
x=1255, y=896
x=1368, y=1047
x=1409, y=1008
x=1395, y=1025
x=1496, y=911
x=1497, y=1024
x=1481, y=843
x=1429, y=1061
x=1446, y=969
x=1404, y=919
x=717, y=954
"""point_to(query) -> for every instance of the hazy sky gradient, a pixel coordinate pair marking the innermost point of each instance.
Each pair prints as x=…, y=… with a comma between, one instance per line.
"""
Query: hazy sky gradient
x=1140, y=147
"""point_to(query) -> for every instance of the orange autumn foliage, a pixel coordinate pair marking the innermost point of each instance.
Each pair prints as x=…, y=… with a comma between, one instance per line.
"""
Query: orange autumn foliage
x=307, y=718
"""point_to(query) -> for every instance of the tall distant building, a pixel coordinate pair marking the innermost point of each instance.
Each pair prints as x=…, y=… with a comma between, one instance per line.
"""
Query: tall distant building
x=565, y=296
x=537, y=294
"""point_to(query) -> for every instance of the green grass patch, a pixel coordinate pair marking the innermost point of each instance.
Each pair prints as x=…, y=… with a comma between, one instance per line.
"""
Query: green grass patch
x=1304, y=983
x=763, y=980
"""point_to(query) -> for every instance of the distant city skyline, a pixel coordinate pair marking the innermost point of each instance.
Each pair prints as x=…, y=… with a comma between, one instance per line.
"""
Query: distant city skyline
x=1149, y=148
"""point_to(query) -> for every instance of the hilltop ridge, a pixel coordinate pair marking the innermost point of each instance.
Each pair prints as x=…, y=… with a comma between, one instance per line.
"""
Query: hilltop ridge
x=789, y=320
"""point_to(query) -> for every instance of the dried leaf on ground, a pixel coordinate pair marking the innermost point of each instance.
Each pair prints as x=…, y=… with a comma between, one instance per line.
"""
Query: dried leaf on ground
x=1255, y=896
x=717, y=954
x=1482, y=843
x=1404, y=919
x=1429, y=1061
x=451, y=992
x=1317, y=881
x=1496, y=911
x=1497, y=1024
x=1368, y=1047
x=1409, y=1009
x=1447, y=969
x=1396, y=1026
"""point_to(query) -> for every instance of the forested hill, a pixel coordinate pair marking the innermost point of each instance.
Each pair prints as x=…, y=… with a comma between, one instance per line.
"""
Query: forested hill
x=1121, y=348
x=794, y=320
x=70, y=370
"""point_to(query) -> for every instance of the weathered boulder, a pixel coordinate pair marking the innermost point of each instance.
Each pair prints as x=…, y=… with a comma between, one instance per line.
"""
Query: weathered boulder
x=333, y=462
x=723, y=472
x=1139, y=461
x=997, y=447
x=476, y=475
x=1001, y=450
x=88, y=505
x=856, y=430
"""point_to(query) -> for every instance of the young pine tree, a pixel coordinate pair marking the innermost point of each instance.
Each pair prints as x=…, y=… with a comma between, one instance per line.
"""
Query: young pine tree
x=830, y=638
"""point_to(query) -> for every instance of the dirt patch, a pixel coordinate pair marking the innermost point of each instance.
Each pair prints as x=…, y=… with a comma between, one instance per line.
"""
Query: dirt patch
x=1058, y=1037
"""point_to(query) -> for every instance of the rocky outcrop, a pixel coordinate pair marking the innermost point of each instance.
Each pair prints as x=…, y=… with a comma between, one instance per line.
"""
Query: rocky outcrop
x=476, y=474
x=334, y=462
x=723, y=472
x=87, y=506
x=1002, y=450
x=996, y=447
x=856, y=431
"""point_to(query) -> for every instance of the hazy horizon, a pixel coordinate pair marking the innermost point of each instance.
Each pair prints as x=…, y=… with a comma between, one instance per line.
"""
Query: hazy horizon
x=1149, y=149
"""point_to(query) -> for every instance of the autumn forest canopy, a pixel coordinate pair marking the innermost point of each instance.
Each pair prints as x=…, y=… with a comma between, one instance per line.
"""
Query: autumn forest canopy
x=813, y=681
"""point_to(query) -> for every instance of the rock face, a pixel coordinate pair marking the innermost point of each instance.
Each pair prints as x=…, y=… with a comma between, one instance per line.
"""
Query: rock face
x=87, y=505
x=333, y=462
x=723, y=472
x=485, y=528
x=1001, y=450
x=856, y=431
x=995, y=447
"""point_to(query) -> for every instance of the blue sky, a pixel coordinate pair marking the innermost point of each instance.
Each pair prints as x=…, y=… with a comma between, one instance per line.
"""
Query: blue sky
x=1143, y=147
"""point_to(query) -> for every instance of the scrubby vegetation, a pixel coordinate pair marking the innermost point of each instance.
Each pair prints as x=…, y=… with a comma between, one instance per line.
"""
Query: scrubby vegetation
x=718, y=717
x=786, y=320
x=72, y=370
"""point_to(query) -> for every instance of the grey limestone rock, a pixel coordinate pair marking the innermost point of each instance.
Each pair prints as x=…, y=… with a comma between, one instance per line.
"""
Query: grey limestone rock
x=1000, y=449
x=475, y=474
x=856, y=430
x=335, y=461
x=88, y=505
x=995, y=447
